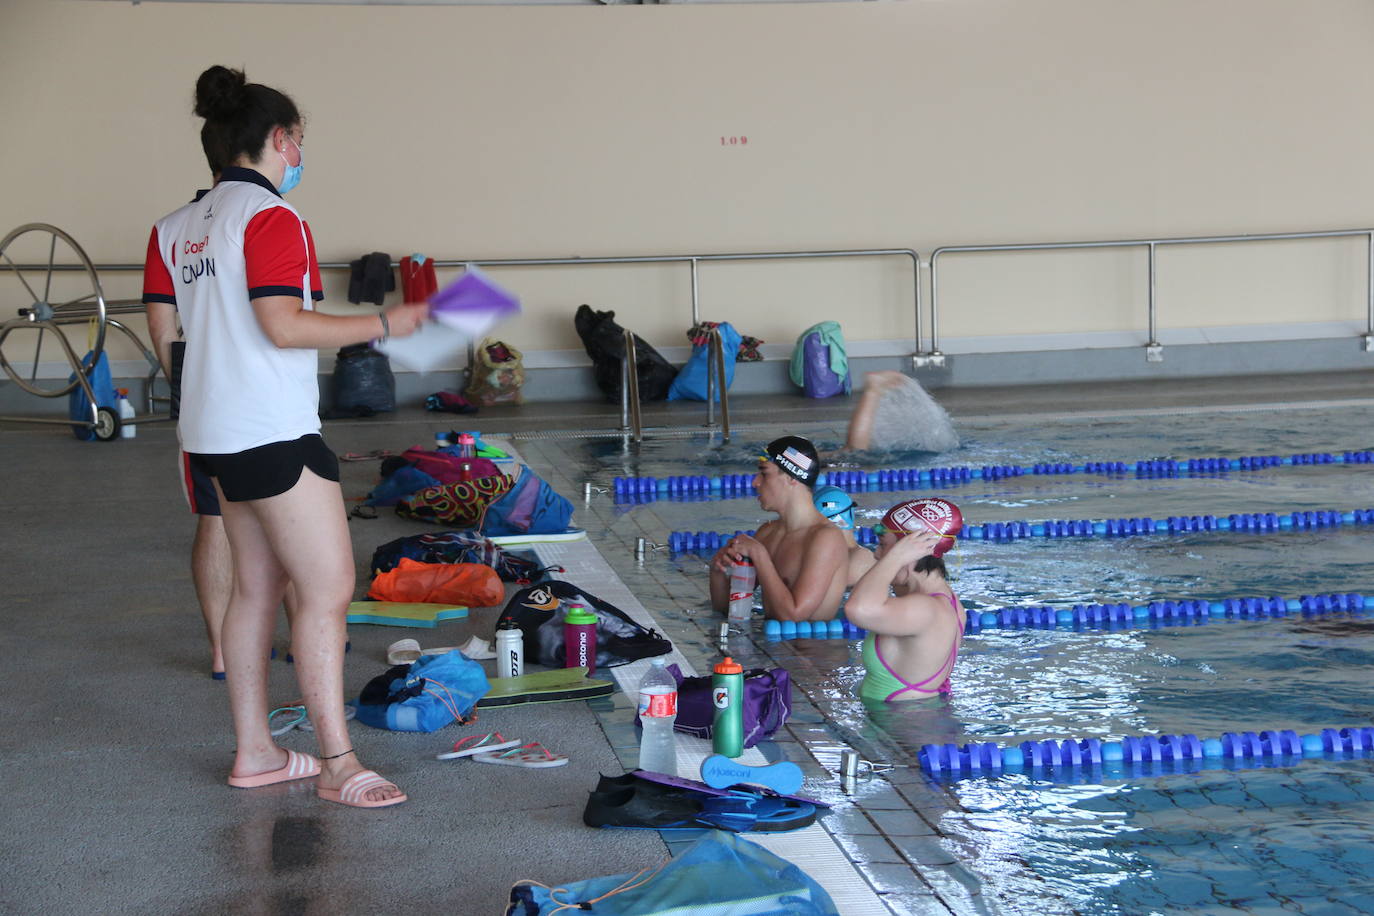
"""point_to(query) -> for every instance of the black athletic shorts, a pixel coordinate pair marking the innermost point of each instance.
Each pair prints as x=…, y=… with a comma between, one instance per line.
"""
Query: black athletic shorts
x=269, y=470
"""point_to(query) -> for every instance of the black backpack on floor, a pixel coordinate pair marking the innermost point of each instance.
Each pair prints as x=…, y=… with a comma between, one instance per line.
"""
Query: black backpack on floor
x=604, y=341
x=539, y=611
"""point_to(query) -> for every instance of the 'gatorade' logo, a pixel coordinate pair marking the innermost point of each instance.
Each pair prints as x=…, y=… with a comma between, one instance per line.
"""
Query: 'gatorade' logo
x=720, y=696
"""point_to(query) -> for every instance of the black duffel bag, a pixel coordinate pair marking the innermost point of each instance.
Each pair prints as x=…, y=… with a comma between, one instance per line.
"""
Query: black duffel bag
x=604, y=340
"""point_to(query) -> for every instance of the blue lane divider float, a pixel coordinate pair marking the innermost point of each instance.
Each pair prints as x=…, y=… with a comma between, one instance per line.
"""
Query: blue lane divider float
x=1105, y=616
x=1187, y=612
x=735, y=486
x=1244, y=522
x=1234, y=748
x=838, y=628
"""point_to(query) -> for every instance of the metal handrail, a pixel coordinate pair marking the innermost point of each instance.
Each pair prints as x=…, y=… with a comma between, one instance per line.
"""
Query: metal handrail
x=715, y=371
x=631, y=421
x=693, y=259
x=1153, y=348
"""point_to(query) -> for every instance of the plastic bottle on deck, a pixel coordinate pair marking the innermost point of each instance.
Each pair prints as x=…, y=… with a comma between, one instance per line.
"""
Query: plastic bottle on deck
x=657, y=713
x=126, y=412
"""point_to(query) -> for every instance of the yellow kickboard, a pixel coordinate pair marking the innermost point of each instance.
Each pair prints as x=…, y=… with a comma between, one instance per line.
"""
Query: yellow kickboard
x=403, y=614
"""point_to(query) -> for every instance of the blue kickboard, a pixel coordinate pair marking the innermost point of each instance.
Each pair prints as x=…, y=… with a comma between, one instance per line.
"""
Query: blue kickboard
x=720, y=772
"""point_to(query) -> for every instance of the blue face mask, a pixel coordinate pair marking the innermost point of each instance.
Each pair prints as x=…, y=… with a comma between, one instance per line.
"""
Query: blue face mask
x=292, y=176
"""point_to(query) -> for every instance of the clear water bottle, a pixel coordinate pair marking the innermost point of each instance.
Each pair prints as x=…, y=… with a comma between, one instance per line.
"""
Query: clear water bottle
x=657, y=713
x=467, y=446
x=743, y=577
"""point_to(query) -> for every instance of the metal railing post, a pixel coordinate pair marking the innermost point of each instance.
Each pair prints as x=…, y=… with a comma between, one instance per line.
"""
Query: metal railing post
x=696, y=301
x=1154, y=353
x=1369, y=292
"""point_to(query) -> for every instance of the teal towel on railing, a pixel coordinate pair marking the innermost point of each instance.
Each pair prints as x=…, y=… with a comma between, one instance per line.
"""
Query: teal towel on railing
x=831, y=337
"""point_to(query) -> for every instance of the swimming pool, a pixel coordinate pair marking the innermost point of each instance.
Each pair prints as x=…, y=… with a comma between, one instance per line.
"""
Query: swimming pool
x=1285, y=839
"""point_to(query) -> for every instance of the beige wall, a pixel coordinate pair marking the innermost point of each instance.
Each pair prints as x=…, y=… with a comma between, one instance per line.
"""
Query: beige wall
x=555, y=131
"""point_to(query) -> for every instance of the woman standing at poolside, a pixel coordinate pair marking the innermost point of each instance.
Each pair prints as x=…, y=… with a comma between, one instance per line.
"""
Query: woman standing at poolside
x=915, y=622
x=237, y=264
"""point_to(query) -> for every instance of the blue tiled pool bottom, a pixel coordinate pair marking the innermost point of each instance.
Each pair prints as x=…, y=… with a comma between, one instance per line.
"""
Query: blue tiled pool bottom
x=1286, y=839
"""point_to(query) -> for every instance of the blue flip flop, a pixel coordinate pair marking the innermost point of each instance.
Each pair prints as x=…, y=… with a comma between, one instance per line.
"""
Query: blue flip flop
x=720, y=772
x=744, y=812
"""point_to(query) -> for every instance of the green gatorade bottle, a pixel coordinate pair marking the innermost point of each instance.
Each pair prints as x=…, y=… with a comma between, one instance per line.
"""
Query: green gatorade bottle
x=727, y=693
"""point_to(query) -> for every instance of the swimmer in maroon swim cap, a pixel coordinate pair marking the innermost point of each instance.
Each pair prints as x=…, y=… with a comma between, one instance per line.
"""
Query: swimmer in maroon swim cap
x=800, y=557
x=915, y=622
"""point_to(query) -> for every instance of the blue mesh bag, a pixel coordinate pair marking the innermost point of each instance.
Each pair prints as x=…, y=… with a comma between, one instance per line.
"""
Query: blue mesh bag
x=423, y=696
x=531, y=506
x=721, y=874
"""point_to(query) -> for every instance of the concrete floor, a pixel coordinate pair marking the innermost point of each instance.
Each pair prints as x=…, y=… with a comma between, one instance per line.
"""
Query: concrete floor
x=119, y=742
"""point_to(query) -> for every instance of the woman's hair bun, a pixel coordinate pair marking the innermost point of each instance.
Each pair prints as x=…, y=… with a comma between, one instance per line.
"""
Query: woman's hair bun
x=220, y=92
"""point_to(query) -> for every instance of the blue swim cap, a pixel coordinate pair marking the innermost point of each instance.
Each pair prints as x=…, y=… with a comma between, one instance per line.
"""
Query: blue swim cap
x=836, y=505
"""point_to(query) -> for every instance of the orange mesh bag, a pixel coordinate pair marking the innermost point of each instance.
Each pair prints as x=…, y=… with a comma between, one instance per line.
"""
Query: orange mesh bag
x=467, y=584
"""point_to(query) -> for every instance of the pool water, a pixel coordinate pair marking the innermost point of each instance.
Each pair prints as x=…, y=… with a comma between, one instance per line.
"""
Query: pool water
x=1260, y=840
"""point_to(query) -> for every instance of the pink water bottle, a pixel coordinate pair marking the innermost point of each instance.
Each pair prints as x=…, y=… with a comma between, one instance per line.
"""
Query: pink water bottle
x=467, y=446
x=579, y=639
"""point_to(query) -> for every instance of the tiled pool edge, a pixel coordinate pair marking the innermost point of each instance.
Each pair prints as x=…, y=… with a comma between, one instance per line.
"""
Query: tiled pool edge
x=813, y=849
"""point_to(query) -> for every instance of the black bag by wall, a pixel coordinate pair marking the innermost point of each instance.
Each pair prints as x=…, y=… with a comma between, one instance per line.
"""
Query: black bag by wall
x=363, y=382
x=604, y=341
x=539, y=612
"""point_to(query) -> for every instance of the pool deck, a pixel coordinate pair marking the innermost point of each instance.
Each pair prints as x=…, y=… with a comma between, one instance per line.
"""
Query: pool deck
x=118, y=741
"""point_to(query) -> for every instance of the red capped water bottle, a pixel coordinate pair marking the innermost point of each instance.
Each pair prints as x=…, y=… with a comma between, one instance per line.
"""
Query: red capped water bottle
x=467, y=446
x=579, y=639
x=743, y=577
x=657, y=713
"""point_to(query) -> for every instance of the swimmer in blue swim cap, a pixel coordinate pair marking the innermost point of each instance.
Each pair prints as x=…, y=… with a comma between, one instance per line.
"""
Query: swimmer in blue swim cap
x=838, y=506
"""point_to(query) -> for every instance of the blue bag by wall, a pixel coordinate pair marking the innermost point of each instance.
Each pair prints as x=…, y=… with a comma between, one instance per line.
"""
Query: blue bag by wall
x=820, y=365
x=720, y=874
x=531, y=506
x=79, y=407
x=423, y=696
x=690, y=383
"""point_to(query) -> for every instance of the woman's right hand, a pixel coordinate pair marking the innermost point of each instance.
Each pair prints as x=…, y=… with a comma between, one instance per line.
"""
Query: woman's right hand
x=405, y=317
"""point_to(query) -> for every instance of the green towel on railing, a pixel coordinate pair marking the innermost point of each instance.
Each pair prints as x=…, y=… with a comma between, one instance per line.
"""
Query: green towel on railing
x=831, y=337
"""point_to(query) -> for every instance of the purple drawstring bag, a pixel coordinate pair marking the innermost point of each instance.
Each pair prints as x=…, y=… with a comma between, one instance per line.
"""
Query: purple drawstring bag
x=767, y=703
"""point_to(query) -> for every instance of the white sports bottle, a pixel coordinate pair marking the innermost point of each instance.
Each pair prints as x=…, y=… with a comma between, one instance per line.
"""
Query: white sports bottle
x=742, y=579
x=657, y=713
x=510, y=649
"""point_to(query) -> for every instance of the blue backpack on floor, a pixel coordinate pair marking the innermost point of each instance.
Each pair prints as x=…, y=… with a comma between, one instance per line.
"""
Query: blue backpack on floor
x=690, y=383
x=721, y=873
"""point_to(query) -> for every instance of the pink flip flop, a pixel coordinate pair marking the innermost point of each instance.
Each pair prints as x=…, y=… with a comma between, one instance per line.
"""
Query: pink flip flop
x=358, y=785
x=479, y=744
x=298, y=766
x=532, y=756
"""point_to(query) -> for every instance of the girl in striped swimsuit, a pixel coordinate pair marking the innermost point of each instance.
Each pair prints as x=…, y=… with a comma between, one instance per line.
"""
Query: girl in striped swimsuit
x=915, y=622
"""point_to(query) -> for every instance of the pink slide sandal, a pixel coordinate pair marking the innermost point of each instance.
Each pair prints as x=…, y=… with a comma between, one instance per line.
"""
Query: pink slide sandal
x=298, y=766
x=355, y=787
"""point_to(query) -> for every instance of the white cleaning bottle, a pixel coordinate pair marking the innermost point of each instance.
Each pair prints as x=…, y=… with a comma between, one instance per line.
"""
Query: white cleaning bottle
x=126, y=412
